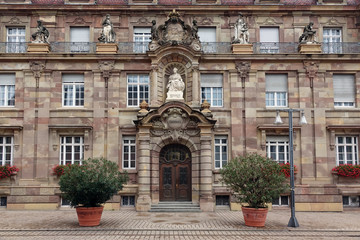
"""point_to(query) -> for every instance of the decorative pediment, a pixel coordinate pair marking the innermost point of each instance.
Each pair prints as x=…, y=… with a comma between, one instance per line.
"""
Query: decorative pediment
x=174, y=120
x=174, y=32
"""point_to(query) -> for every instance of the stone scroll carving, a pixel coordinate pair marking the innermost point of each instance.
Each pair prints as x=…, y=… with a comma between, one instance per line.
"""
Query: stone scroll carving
x=108, y=34
x=175, y=123
x=41, y=35
x=241, y=31
x=174, y=32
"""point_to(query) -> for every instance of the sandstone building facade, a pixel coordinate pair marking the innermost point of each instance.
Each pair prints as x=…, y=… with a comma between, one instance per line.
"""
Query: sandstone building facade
x=74, y=98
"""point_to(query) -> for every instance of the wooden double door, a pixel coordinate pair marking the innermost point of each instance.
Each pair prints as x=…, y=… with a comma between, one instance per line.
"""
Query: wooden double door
x=175, y=173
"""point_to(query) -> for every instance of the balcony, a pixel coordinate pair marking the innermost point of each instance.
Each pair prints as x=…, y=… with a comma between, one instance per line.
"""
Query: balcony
x=207, y=47
x=340, y=47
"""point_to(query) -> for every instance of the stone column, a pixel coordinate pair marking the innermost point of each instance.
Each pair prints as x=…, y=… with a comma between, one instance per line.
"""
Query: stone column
x=154, y=86
x=195, y=102
x=143, y=203
x=206, y=197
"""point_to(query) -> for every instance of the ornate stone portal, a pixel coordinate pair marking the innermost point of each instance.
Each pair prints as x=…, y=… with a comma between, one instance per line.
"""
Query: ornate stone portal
x=178, y=125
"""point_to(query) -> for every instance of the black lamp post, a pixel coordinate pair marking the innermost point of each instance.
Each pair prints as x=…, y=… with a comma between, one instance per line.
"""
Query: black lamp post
x=293, y=221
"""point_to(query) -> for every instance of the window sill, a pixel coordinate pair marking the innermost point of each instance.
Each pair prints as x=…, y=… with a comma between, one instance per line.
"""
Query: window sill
x=132, y=171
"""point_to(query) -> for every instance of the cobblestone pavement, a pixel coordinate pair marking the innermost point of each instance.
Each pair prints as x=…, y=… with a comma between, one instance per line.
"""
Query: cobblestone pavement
x=223, y=224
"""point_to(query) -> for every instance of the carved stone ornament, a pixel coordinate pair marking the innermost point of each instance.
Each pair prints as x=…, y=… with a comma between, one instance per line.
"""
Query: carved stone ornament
x=37, y=67
x=106, y=67
x=311, y=68
x=174, y=123
x=174, y=32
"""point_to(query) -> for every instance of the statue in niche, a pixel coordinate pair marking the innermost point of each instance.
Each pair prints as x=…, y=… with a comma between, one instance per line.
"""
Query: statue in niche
x=308, y=35
x=175, y=86
x=41, y=35
x=194, y=30
x=154, y=31
x=241, y=31
x=108, y=34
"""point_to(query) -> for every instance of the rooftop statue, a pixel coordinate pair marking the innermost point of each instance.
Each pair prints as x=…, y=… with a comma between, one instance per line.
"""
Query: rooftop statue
x=41, y=35
x=154, y=31
x=241, y=31
x=108, y=34
x=308, y=35
x=194, y=30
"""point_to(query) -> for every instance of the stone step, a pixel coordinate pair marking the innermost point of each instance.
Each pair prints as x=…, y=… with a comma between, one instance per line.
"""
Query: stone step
x=175, y=207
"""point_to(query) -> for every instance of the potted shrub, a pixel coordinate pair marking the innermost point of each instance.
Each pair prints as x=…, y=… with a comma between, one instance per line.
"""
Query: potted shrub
x=255, y=181
x=90, y=185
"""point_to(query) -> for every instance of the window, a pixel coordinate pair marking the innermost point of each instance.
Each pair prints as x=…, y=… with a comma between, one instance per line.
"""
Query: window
x=128, y=201
x=15, y=40
x=277, y=148
x=129, y=152
x=79, y=38
x=222, y=200
x=347, y=150
x=344, y=90
x=351, y=201
x=65, y=202
x=71, y=149
x=138, y=89
x=207, y=37
x=73, y=90
x=332, y=40
x=281, y=201
x=221, y=155
x=276, y=90
x=3, y=201
x=6, y=150
x=7, y=90
x=142, y=37
x=212, y=89
x=269, y=39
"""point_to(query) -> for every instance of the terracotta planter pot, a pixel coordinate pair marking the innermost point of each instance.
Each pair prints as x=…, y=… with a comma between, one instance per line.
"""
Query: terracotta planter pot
x=254, y=217
x=89, y=216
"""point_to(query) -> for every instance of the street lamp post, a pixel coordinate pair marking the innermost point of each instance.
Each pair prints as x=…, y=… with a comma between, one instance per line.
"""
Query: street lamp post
x=293, y=221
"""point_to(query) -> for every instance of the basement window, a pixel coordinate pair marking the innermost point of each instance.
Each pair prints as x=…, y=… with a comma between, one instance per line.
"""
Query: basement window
x=222, y=200
x=65, y=202
x=351, y=201
x=128, y=201
x=281, y=201
x=3, y=201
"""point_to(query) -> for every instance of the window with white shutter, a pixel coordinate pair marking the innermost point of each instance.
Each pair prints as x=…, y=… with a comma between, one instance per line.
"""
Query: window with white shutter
x=269, y=39
x=142, y=37
x=79, y=38
x=7, y=90
x=212, y=89
x=344, y=90
x=276, y=90
x=207, y=36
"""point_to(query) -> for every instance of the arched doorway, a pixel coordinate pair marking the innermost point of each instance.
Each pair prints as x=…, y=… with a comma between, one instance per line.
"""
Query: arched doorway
x=175, y=173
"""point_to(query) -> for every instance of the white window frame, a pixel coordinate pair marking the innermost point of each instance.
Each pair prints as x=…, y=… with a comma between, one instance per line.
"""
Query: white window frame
x=354, y=145
x=332, y=41
x=354, y=201
x=17, y=46
x=4, y=146
x=207, y=36
x=129, y=147
x=128, y=204
x=142, y=36
x=344, y=97
x=145, y=83
x=278, y=142
x=220, y=142
x=7, y=88
x=280, y=201
x=274, y=97
x=73, y=85
x=214, y=87
x=73, y=145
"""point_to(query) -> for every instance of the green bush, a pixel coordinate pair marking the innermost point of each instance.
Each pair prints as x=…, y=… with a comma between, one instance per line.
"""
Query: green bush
x=254, y=179
x=92, y=183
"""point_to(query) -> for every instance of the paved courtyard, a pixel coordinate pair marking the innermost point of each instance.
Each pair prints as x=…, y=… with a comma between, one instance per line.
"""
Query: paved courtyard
x=222, y=224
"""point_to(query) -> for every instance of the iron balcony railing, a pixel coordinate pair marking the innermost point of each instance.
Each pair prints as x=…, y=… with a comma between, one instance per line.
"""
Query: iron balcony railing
x=13, y=47
x=73, y=47
x=206, y=47
x=275, y=47
x=340, y=47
